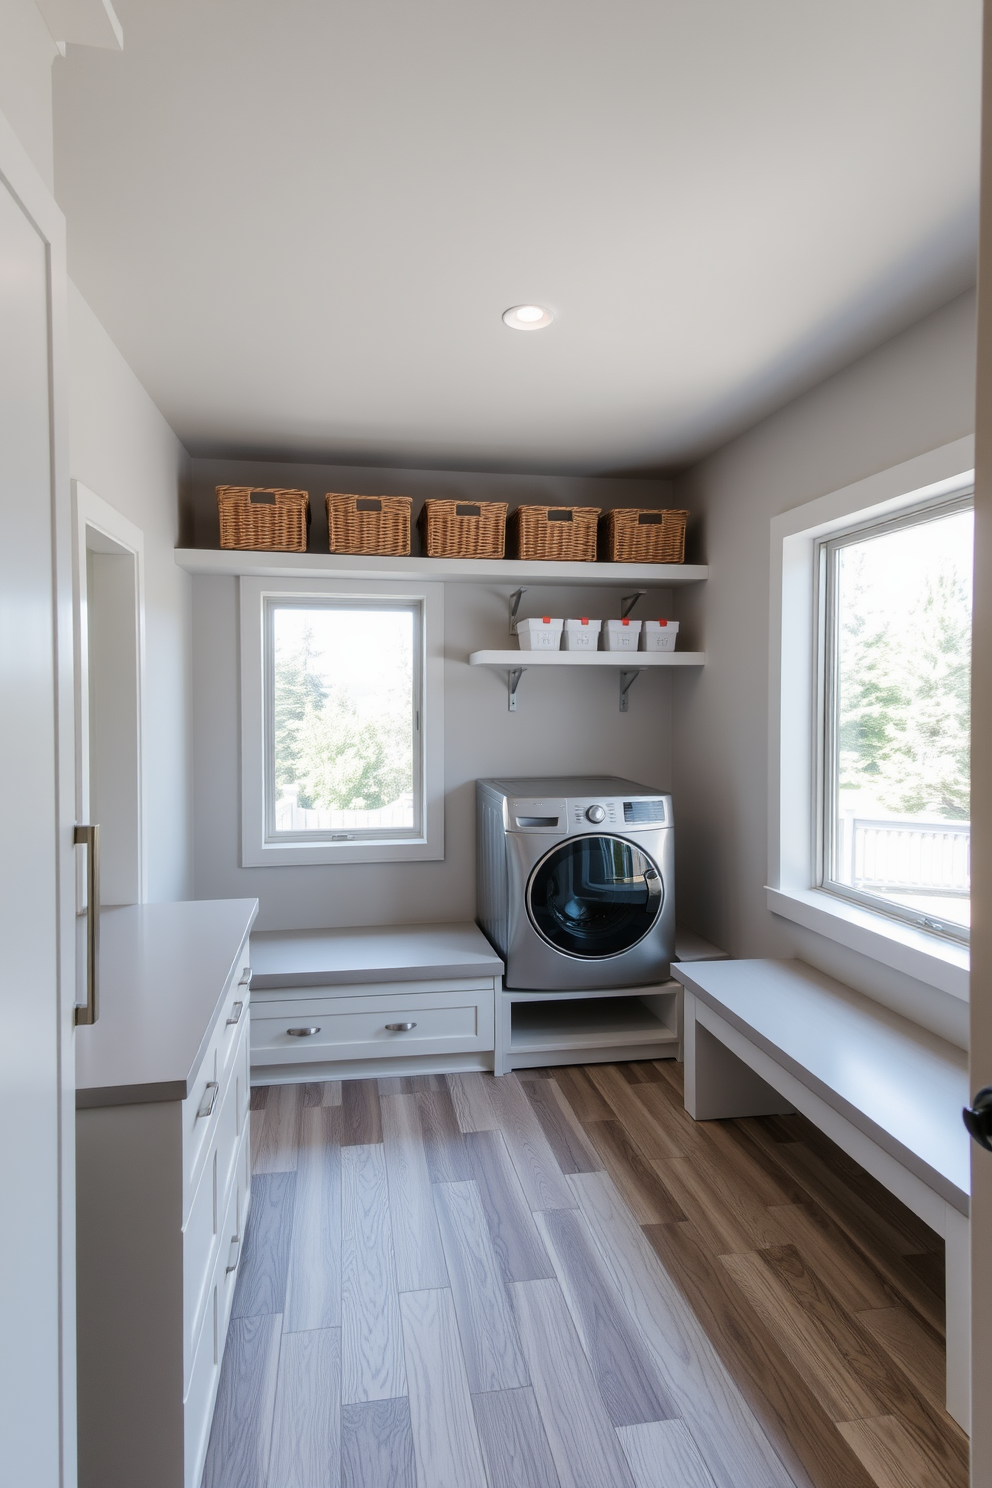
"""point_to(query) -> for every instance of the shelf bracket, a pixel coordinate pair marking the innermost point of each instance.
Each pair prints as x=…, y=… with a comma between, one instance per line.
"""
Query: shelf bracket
x=629, y=601
x=515, y=599
x=626, y=683
x=512, y=683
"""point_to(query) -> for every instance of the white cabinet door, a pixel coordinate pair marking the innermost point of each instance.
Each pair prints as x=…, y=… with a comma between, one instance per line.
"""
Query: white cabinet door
x=36, y=1073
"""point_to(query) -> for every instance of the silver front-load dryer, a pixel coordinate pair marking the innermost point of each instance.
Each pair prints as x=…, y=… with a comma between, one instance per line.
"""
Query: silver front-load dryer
x=575, y=881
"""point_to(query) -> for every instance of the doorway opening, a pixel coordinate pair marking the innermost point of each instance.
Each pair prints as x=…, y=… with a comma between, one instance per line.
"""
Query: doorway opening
x=109, y=667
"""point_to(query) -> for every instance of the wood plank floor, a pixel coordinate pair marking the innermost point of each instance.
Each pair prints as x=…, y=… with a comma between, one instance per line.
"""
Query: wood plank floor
x=558, y=1280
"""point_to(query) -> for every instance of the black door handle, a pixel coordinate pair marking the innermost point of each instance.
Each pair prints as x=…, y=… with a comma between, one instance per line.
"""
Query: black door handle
x=978, y=1117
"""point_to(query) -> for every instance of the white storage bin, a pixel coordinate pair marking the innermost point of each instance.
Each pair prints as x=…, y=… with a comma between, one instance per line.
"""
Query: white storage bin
x=539, y=635
x=621, y=635
x=581, y=635
x=659, y=635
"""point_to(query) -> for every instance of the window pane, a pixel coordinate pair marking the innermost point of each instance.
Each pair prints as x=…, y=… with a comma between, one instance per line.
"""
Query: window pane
x=900, y=824
x=343, y=720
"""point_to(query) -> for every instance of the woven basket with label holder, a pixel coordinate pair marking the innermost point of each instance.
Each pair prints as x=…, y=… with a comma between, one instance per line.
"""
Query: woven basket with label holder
x=378, y=525
x=267, y=519
x=463, y=529
x=555, y=534
x=637, y=536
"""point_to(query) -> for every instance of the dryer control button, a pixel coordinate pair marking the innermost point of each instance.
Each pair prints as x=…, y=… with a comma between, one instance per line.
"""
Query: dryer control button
x=596, y=813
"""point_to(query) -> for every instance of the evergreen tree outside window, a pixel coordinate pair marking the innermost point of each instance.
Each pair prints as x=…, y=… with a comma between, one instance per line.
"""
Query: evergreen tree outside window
x=895, y=704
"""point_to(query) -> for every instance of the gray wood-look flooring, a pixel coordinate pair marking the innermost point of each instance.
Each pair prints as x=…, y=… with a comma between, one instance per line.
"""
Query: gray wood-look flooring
x=557, y=1280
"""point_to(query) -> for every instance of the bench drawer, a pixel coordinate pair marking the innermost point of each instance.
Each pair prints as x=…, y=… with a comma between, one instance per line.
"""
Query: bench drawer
x=359, y=1027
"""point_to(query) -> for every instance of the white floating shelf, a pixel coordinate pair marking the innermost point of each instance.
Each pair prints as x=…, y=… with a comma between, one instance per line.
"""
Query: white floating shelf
x=627, y=664
x=447, y=570
x=627, y=661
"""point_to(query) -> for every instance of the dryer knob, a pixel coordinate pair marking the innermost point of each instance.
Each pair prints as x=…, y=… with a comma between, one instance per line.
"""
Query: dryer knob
x=596, y=814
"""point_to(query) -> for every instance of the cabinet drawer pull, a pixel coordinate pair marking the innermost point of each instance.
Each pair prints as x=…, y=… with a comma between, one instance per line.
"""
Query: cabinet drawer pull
x=209, y=1100
x=236, y=1012
x=234, y=1255
x=399, y=1027
x=302, y=1032
x=245, y=977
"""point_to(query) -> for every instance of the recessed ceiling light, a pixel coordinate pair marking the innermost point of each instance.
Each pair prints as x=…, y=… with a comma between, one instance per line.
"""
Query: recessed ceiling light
x=527, y=317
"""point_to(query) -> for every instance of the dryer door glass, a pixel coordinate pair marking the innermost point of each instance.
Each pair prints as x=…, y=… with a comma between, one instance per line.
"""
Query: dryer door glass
x=595, y=896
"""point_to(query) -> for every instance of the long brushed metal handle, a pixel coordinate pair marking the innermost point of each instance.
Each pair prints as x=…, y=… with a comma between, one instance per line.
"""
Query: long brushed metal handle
x=209, y=1099
x=237, y=1009
x=399, y=1027
x=89, y=837
x=302, y=1032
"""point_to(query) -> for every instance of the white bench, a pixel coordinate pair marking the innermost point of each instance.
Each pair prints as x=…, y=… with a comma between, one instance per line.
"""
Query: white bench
x=765, y=1037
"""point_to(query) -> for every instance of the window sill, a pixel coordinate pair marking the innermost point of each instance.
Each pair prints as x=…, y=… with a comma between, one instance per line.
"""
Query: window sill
x=935, y=962
x=278, y=854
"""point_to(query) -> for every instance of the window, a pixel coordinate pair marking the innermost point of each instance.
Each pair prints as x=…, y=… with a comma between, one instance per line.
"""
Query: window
x=341, y=724
x=851, y=745
x=894, y=726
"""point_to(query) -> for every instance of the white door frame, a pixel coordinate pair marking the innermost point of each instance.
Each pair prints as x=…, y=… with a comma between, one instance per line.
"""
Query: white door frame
x=21, y=178
x=94, y=516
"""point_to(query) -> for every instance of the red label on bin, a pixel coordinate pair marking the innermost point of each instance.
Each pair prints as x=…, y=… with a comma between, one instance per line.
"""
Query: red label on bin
x=546, y=620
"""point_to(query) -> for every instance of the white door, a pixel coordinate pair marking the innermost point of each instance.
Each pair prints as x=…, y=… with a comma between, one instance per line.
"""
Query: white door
x=37, y=1300
x=981, y=828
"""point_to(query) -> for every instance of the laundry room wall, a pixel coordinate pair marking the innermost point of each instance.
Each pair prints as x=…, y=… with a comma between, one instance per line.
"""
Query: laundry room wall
x=566, y=723
x=914, y=394
x=121, y=447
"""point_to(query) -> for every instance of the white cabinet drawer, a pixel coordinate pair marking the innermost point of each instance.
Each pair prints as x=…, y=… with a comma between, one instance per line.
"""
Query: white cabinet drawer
x=357, y=1027
x=203, y=1231
x=202, y=1106
x=204, y=1374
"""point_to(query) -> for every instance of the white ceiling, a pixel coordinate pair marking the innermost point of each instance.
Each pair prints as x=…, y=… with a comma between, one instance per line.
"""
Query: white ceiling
x=301, y=220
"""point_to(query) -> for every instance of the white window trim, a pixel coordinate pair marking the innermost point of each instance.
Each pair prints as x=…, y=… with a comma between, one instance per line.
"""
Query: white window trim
x=931, y=959
x=256, y=852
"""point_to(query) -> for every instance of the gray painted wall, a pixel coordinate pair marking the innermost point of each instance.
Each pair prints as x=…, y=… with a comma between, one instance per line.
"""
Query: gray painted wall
x=913, y=394
x=566, y=722
x=121, y=448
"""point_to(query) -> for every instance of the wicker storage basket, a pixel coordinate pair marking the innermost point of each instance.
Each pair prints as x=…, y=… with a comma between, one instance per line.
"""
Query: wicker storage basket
x=463, y=529
x=566, y=534
x=264, y=518
x=637, y=536
x=368, y=524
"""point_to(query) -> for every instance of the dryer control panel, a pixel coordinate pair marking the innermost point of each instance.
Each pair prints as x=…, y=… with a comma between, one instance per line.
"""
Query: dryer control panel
x=585, y=813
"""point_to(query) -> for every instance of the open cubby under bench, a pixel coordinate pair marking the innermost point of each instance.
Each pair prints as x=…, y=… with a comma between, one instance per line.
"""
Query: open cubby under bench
x=766, y=1037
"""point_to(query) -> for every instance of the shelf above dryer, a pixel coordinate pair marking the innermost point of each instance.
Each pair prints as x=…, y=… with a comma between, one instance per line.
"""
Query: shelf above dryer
x=628, y=663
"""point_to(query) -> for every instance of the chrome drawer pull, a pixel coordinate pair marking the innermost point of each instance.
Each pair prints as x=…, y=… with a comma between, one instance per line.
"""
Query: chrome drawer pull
x=209, y=1100
x=236, y=1012
x=234, y=1255
x=302, y=1032
x=245, y=977
x=399, y=1027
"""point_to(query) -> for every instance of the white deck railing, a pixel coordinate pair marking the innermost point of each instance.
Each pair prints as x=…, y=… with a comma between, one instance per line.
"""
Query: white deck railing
x=293, y=818
x=910, y=855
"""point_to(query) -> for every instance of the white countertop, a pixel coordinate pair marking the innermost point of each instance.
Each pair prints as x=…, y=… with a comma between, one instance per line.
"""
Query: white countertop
x=389, y=953
x=163, y=971
x=901, y=1085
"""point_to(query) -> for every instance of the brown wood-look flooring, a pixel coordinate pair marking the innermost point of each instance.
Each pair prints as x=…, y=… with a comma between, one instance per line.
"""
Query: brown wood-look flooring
x=558, y=1280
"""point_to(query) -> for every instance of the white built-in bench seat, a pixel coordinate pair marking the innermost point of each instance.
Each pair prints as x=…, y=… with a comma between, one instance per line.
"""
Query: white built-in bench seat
x=765, y=1037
